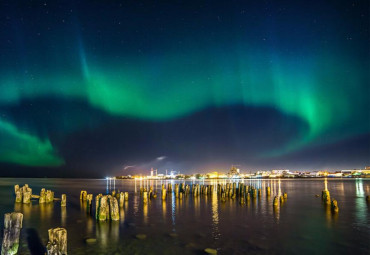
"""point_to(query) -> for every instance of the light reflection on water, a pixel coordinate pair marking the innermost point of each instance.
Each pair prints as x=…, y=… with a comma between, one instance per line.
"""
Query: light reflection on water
x=203, y=221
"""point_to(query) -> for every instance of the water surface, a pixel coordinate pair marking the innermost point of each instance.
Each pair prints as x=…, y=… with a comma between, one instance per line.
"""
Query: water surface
x=302, y=225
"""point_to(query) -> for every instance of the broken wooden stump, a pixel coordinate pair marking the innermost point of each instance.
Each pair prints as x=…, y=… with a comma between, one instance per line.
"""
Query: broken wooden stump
x=57, y=244
x=12, y=229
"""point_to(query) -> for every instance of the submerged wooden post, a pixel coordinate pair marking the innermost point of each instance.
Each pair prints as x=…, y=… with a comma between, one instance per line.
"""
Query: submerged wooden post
x=57, y=244
x=12, y=230
x=64, y=200
x=334, y=206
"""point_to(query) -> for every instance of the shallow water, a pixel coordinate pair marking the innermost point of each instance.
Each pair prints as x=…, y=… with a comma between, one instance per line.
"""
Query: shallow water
x=301, y=225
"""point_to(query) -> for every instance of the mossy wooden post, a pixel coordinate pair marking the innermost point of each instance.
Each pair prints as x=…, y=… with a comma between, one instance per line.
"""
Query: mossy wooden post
x=102, y=209
x=268, y=191
x=12, y=230
x=97, y=206
x=334, y=206
x=64, y=200
x=57, y=244
x=145, y=197
x=114, y=210
x=276, y=201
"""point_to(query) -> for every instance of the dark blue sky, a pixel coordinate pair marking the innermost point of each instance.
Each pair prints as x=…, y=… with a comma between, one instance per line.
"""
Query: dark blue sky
x=89, y=87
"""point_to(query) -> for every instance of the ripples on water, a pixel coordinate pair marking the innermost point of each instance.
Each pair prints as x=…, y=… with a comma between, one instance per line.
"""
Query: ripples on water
x=188, y=226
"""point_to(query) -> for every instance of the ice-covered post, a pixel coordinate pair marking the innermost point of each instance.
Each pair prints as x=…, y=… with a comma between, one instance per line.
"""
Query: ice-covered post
x=12, y=230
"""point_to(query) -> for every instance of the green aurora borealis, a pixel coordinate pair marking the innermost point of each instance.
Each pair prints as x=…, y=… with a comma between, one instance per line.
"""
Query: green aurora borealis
x=325, y=83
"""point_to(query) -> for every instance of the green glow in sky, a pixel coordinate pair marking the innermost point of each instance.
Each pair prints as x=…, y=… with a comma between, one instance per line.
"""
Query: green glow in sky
x=25, y=149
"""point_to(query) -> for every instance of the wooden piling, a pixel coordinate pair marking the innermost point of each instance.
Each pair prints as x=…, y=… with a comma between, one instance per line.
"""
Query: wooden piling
x=121, y=199
x=12, y=228
x=57, y=244
x=164, y=193
x=83, y=195
x=114, y=210
x=334, y=206
x=18, y=196
x=64, y=200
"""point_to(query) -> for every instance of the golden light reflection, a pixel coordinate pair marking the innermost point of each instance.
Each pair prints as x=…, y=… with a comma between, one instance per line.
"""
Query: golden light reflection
x=215, y=217
x=145, y=213
x=164, y=209
x=63, y=214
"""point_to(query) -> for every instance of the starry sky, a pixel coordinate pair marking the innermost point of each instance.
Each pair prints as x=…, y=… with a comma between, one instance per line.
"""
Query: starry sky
x=96, y=88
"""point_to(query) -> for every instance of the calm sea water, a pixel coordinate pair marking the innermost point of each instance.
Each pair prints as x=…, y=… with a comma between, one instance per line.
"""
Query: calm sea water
x=302, y=225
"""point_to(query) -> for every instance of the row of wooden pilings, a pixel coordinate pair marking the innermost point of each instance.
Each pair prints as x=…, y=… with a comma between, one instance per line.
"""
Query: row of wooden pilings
x=106, y=206
x=24, y=195
x=244, y=193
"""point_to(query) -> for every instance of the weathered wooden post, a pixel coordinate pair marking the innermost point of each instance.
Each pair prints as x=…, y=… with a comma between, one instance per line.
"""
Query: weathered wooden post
x=102, y=208
x=83, y=195
x=276, y=201
x=113, y=193
x=334, y=206
x=27, y=197
x=113, y=206
x=89, y=199
x=126, y=196
x=16, y=188
x=42, y=198
x=49, y=196
x=97, y=206
x=57, y=244
x=64, y=200
x=121, y=199
x=12, y=230
x=18, y=196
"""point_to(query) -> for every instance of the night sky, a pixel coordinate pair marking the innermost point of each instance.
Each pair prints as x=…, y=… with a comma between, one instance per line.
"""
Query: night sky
x=96, y=88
